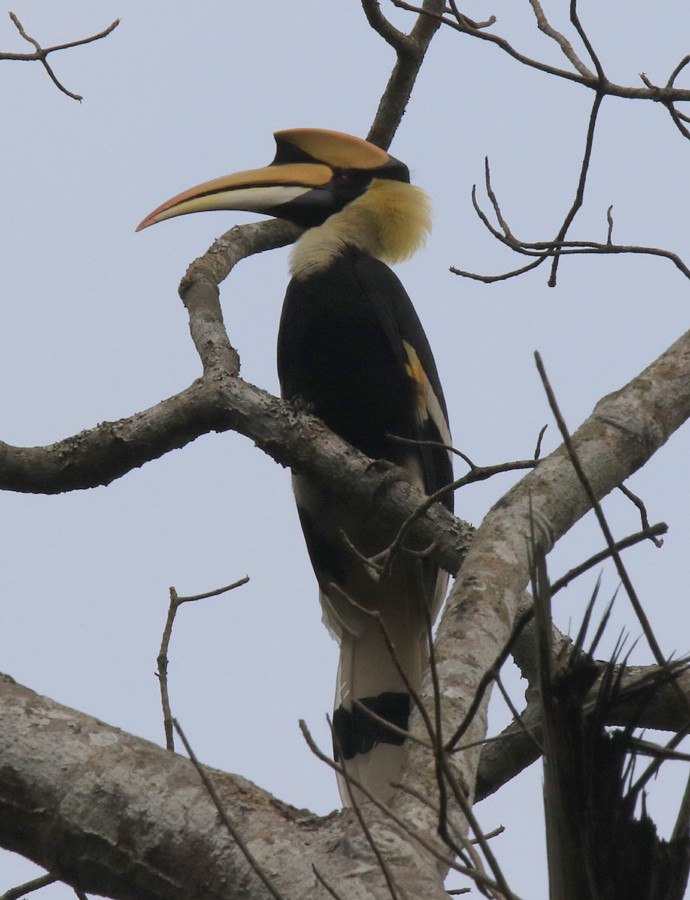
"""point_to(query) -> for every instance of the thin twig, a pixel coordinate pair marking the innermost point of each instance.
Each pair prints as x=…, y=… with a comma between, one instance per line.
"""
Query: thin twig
x=644, y=535
x=543, y=250
x=466, y=21
x=230, y=828
x=540, y=438
x=388, y=812
x=517, y=717
x=162, y=659
x=584, y=37
x=584, y=170
x=567, y=48
x=41, y=53
x=477, y=473
x=639, y=503
x=609, y=222
x=606, y=531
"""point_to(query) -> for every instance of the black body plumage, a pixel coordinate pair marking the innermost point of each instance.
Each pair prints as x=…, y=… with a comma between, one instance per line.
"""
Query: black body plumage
x=343, y=348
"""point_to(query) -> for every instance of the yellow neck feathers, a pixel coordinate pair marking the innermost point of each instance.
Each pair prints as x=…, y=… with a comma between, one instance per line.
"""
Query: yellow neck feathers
x=389, y=221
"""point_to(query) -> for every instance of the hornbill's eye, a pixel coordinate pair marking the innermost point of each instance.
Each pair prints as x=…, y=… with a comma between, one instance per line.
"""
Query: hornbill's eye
x=349, y=184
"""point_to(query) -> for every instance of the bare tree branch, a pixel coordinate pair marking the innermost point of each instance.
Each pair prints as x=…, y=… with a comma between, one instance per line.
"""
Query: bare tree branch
x=664, y=95
x=623, y=432
x=41, y=54
x=28, y=887
x=162, y=659
x=110, y=811
x=485, y=599
x=543, y=250
x=411, y=50
x=565, y=45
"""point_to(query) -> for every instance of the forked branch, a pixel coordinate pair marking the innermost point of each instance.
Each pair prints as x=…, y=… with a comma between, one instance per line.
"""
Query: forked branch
x=41, y=54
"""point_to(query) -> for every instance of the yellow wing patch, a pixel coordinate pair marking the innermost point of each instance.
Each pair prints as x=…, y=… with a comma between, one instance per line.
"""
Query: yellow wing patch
x=416, y=372
x=428, y=405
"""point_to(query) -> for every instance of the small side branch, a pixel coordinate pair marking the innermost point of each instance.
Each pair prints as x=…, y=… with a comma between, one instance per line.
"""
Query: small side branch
x=398, y=40
x=668, y=94
x=566, y=47
x=544, y=250
x=28, y=887
x=41, y=54
x=162, y=661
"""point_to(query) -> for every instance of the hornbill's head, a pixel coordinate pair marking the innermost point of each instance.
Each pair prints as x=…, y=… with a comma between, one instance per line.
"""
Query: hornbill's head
x=317, y=178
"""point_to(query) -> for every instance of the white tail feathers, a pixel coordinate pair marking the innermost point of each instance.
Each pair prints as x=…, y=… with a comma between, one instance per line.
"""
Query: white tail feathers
x=370, y=692
x=357, y=609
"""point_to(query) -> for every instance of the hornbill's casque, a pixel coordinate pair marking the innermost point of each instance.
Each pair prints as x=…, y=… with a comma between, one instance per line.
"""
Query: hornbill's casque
x=351, y=346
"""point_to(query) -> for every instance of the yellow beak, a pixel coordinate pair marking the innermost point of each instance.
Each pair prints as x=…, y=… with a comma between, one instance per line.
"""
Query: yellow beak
x=264, y=190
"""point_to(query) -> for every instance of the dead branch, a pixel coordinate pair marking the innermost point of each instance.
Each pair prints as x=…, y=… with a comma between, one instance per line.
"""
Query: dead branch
x=566, y=47
x=41, y=54
x=667, y=94
x=162, y=659
x=541, y=251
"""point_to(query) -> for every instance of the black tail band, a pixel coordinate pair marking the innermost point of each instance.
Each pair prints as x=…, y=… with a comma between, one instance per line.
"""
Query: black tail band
x=357, y=732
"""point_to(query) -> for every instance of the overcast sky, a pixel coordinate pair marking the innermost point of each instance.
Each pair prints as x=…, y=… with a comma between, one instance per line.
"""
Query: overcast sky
x=92, y=329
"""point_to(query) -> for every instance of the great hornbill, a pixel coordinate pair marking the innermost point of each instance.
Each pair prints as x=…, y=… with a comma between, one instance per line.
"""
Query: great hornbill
x=350, y=346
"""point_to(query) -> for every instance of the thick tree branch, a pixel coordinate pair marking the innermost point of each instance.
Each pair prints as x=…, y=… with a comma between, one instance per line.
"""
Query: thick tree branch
x=113, y=814
x=514, y=749
x=220, y=402
x=624, y=430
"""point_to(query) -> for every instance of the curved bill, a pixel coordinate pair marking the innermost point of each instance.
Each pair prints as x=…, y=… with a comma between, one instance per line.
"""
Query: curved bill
x=254, y=190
